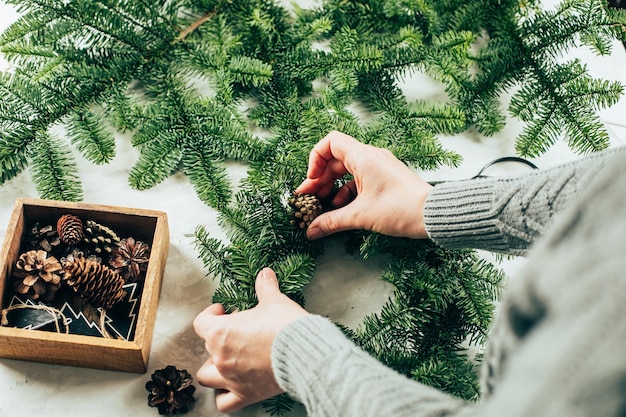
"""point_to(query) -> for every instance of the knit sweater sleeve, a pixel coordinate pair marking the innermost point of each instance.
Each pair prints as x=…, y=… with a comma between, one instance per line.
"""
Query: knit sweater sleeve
x=506, y=214
x=315, y=363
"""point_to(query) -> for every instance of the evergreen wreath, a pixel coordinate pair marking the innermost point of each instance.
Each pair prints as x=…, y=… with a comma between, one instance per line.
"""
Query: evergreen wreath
x=198, y=82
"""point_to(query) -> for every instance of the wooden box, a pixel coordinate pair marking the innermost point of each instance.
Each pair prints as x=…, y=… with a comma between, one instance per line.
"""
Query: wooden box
x=80, y=350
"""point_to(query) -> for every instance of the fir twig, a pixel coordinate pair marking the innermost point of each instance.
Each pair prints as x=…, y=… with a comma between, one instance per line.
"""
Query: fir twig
x=195, y=25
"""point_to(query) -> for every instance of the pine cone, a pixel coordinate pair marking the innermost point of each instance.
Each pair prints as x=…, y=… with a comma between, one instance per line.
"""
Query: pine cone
x=170, y=390
x=97, y=283
x=305, y=208
x=100, y=238
x=79, y=253
x=130, y=259
x=37, y=275
x=45, y=238
x=70, y=229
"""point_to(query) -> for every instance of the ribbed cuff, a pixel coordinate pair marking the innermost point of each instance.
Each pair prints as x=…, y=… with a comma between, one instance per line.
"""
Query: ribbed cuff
x=299, y=349
x=460, y=215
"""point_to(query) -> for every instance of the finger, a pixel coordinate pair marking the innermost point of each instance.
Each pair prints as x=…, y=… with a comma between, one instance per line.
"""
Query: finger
x=315, y=186
x=325, y=181
x=228, y=402
x=308, y=186
x=266, y=285
x=333, y=146
x=339, y=220
x=209, y=376
x=202, y=320
x=215, y=309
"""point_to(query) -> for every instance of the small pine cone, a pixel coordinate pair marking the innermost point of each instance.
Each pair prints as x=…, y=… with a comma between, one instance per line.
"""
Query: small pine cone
x=97, y=283
x=45, y=238
x=100, y=238
x=37, y=275
x=305, y=208
x=79, y=253
x=130, y=259
x=70, y=229
x=171, y=391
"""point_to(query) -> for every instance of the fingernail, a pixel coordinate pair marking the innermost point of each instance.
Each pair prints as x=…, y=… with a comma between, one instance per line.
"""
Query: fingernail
x=314, y=233
x=267, y=274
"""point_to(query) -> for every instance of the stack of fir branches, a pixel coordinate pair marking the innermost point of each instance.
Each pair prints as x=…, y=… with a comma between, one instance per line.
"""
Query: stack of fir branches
x=278, y=81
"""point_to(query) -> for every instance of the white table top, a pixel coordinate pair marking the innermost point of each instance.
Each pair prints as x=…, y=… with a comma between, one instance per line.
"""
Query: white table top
x=35, y=389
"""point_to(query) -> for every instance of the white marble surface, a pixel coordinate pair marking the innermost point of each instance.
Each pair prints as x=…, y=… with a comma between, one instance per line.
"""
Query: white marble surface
x=344, y=289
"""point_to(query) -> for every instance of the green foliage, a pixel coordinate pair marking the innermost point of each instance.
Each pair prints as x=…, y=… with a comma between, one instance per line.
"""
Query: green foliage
x=135, y=61
x=54, y=172
x=443, y=301
x=194, y=81
x=278, y=405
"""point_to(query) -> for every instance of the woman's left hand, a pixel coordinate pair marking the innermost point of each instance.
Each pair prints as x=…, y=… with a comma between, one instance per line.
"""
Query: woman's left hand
x=240, y=345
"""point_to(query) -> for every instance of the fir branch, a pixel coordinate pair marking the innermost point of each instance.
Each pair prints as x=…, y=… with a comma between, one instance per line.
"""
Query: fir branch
x=248, y=71
x=456, y=377
x=29, y=24
x=278, y=405
x=53, y=170
x=294, y=272
x=158, y=160
x=209, y=180
x=561, y=88
x=87, y=133
x=234, y=296
x=211, y=252
x=13, y=152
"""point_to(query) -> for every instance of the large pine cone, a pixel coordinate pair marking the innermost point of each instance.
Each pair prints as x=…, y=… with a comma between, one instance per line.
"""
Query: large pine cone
x=305, y=208
x=37, y=275
x=97, y=283
x=170, y=390
x=70, y=229
x=130, y=259
x=100, y=238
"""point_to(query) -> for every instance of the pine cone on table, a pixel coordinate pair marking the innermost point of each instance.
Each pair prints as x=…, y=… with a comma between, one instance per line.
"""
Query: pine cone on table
x=37, y=275
x=70, y=229
x=305, y=208
x=130, y=259
x=171, y=391
x=100, y=238
x=97, y=283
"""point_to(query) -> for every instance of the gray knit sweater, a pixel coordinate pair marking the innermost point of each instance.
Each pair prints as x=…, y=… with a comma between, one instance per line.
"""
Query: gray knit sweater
x=558, y=345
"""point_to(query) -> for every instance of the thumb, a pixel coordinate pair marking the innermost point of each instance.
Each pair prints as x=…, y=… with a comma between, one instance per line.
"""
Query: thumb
x=266, y=284
x=333, y=221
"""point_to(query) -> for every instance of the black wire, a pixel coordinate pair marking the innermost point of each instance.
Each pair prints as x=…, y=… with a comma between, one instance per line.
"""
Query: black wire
x=495, y=162
x=504, y=159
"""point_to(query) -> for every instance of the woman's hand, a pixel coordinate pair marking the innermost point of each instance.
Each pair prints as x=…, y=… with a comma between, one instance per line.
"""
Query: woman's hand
x=240, y=346
x=385, y=196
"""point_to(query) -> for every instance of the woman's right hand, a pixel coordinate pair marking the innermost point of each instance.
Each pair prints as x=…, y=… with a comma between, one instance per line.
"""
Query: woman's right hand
x=385, y=196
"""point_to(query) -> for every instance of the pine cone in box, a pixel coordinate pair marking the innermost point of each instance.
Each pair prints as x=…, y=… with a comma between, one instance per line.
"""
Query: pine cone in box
x=170, y=390
x=70, y=229
x=37, y=275
x=80, y=253
x=130, y=259
x=45, y=238
x=305, y=208
x=97, y=283
x=100, y=238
